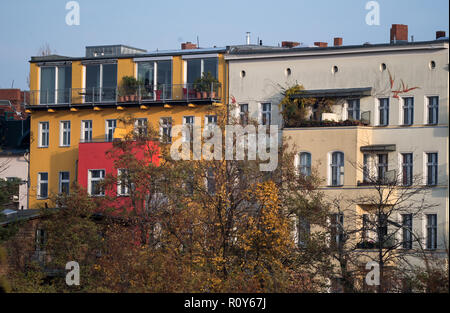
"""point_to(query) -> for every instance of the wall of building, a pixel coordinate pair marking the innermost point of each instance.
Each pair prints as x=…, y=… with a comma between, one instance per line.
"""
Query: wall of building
x=16, y=166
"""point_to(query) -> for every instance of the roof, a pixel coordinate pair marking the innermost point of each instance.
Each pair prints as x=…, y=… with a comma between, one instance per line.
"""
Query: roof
x=20, y=215
x=55, y=58
x=238, y=52
x=342, y=92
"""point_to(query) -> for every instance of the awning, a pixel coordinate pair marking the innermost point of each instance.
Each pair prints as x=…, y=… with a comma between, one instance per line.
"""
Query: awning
x=335, y=93
x=378, y=148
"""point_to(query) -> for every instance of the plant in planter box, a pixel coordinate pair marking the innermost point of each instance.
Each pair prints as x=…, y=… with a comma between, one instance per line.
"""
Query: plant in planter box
x=202, y=85
x=128, y=88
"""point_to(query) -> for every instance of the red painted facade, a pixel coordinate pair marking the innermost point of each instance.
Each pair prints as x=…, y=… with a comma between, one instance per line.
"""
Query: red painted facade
x=95, y=156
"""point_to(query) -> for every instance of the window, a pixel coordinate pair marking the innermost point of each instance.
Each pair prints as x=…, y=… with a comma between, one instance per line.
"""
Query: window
x=40, y=239
x=95, y=177
x=366, y=168
x=266, y=113
x=42, y=186
x=243, y=114
x=156, y=77
x=166, y=129
x=86, y=131
x=140, y=127
x=433, y=110
x=407, y=231
x=64, y=182
x=337, y=169
x=56, y=82
x=407, y=169
x=353, y=111
x=43, y=134
x=432, y=169
x=384, y=111
x=189, y=122
x=382, y=229
x=431, y=231
x=304, y=231
x=211, y=182
x=122, y=182
x=197, y=67
x=101, y=82
x=305, y=163
x=408, y=111
x=382, y=167
x=64, y=134
x=337, y=229
x=365, y=227
x=210, y=122
x=110, y=127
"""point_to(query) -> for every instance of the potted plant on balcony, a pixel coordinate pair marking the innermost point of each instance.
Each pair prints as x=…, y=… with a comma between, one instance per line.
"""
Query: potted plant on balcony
x=203, y=85
x=128, y=88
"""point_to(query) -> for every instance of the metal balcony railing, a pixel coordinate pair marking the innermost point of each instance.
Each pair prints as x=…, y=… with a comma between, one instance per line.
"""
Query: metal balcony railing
x=115, y=95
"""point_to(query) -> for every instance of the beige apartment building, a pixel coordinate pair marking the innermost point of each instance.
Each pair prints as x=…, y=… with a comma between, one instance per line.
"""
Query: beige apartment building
x=389, y=118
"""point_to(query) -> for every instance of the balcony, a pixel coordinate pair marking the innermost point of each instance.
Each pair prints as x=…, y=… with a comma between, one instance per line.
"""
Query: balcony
x=112, y=96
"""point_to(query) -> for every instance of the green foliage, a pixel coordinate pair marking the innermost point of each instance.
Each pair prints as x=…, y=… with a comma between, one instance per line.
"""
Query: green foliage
x=129, y=86
x=295, y=110
x=7, y=190
x=204, y=83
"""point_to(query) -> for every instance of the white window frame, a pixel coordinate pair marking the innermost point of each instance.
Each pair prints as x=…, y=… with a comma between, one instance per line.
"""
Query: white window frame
x=165, y=123
x=62, y=131
x=265, y=113
x=108, y=128
x=299, y=162
x=210, y=122
x=425, y=229
x=191, y=128
x=139, y=125
x=90, y=179
x=402, y=164
x=242, y=113
x=346, y=108
x=126, y=191
x=85, y=129
x=341, y=171
x=427, y=109
x=426, y=164
x=63, y=181
x=43, y=131
x=402, y=111
x=41, y=181
x=379, y=108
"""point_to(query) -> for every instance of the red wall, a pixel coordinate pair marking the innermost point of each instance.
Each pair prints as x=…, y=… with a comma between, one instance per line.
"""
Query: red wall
x=93, y=155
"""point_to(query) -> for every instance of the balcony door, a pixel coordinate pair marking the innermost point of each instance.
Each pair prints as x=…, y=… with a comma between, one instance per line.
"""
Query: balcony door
x=156, y=76
x=101, y=82
x=56, y=82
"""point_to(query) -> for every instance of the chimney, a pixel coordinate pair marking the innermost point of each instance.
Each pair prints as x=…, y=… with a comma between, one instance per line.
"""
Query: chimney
x=440, y=34
x=399, y=32
x=321, y=44
x=338, y=41
x=188, y=45
x=247, y=37
x=289, y=44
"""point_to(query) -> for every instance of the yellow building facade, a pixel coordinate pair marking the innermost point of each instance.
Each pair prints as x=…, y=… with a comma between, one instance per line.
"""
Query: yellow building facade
x=75, y=100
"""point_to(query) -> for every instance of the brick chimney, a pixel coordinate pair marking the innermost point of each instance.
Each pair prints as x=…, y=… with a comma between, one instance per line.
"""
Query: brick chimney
x=440, y=34
x=338, y=41
x=188, y=45
x=289, y=44
x=399, y=32
x=321, y=44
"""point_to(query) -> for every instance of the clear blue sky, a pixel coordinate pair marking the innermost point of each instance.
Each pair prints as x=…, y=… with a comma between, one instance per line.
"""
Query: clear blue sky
x=164, y=24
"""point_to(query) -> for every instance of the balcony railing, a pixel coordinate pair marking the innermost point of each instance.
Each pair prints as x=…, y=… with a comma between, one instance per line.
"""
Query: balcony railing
x=113, y=95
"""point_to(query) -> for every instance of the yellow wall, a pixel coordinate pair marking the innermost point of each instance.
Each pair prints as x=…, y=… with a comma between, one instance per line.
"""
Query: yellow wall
x=55, y=158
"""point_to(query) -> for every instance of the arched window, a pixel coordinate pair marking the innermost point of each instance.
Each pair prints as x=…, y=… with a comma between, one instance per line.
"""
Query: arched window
x=305, y=163
x=337, y=169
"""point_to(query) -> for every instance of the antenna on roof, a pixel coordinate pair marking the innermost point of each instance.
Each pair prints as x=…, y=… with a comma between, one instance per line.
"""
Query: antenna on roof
x=198, y=42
